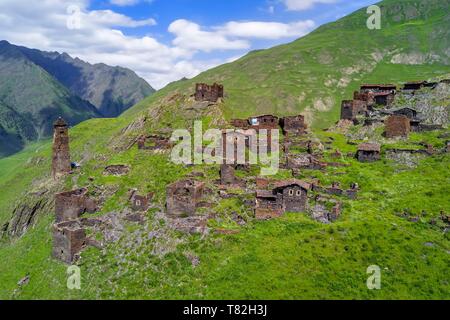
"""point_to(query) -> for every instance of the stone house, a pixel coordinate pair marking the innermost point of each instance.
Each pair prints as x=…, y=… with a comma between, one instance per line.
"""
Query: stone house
x=267, y=205
x=410, y=113
x=211, y=93
x=71, y=205
x=139, y=202
x=228, y=175
x=285, y=196
x=417, y=85
x=264, y=122
x=69, y=239
x=154, y=142
x=367, y=97
x=384, y=98
x=294, y=124
x=379, y=94
x=184, y=197
x=61, y=164
x=368, y=152
x=240, y=123
x=235, y=145
x=397, y=126
x=351, y=109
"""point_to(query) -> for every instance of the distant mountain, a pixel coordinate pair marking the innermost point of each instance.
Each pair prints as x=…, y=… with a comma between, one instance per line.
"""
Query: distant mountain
x=36, y=87
x=112, y=90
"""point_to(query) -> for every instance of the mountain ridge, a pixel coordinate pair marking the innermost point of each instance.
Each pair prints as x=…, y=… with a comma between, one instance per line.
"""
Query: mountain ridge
x=37, y=86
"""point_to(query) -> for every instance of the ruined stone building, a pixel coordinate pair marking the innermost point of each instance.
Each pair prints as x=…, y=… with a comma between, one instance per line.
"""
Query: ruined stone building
x=69, y=239
x=228, y=175
x=380, y=94
x=417, y=85
x=267, y=122
x=183, y=197
x=368, y=152
x=235, y=144
x=366, y=97
x=71, y=205
x=211, y=93
x=285, y=196
x=352, y=109
x=410, y=113
x=154, y=142
x=240, y=123
x=326, y=209
x=61, y=164
x=397, y=126
x=139, y=202
x=293, y=125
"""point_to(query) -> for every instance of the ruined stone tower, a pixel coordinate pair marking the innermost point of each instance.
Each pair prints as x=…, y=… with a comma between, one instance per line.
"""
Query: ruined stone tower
x=61, y=164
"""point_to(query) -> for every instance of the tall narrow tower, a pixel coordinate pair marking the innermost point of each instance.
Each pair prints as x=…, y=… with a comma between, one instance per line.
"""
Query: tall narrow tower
x=61, y=164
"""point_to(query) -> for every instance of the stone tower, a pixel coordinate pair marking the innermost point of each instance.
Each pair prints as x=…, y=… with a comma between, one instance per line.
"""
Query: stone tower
x=61, y=164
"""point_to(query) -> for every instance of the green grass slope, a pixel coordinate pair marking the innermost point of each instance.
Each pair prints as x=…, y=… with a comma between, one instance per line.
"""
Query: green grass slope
x=289, y=258
x=292, y=257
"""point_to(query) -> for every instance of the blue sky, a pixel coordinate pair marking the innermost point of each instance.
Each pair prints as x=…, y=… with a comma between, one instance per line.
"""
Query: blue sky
x=164, y=40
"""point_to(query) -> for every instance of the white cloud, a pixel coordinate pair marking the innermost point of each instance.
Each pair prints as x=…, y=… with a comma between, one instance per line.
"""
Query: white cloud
x=113, y=19
x=299, y=5
x=267, y=30
x=98, y=39
x=190, y=36
x=233, y=35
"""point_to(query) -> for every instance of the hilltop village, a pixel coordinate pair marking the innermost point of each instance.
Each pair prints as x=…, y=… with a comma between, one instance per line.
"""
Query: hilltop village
x=272, y=198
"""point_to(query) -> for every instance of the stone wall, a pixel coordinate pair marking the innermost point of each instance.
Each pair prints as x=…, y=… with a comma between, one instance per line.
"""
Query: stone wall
x=397, y=126
x=227, y=174
x=69, y=239
x=183, y=198
x=351, y=109
x=71, y=205
x=211, y=93
x=295, y=124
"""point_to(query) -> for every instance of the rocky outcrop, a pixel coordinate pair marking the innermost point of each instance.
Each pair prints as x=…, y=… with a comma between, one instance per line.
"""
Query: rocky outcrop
x=25, y=215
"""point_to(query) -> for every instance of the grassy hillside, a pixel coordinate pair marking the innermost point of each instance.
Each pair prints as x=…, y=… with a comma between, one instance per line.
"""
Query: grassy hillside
x=290, y=258
x=315, y=73
x=293, y=257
